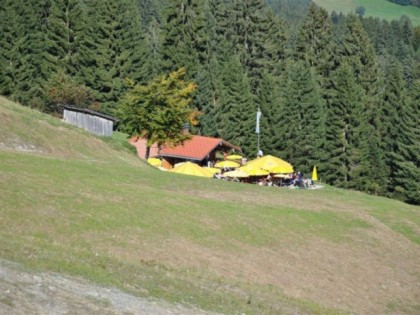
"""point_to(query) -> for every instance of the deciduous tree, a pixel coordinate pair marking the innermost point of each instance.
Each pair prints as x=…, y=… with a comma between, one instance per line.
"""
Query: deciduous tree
x=157, y=111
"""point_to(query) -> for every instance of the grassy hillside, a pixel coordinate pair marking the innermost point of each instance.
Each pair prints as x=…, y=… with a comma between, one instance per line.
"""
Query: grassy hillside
x=377, y=8
x=80, y=205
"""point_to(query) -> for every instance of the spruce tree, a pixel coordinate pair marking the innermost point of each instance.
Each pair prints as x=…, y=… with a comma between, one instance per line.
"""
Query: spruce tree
x=236, y=113
x=110, y=50
x=248, y=31
x=344, y=111
x=184, y=42
x=315, y=39
x=357, y=51
x=405, y=158
x=303, y=118
x=65, y=25
x=12, y=31
x=35, y=63
x=271, y=125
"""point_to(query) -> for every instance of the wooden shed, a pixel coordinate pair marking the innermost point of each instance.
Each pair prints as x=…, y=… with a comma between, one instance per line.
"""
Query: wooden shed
x=93, y=122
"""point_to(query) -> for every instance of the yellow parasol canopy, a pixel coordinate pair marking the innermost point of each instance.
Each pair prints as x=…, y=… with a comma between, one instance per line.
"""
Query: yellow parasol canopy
x=314, y=174
x=236, y=173
x=227, y=164
x=154, y=161
x=254, y=171
x=193, y=169
x=272, y=164
x=234, y=157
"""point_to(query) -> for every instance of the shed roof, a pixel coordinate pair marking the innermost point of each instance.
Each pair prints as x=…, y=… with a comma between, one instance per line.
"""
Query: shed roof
x=90, y=112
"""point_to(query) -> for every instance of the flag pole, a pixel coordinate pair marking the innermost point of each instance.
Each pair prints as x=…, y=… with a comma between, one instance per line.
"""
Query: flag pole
x=257, y=130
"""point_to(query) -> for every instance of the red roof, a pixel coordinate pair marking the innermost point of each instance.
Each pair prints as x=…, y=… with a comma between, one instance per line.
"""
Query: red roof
x=196, y=148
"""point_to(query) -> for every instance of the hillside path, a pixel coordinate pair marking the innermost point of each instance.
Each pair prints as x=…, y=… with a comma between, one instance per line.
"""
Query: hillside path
x=23, y=292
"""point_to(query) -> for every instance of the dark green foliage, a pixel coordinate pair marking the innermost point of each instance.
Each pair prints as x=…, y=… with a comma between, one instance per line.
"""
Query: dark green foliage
x=303, y=117
x=342, y=132
x=150, y=11
x=111, y=49
x=293, y=11
x=184, y=43
x=315, y=39
x=63, y=90
x=12, y=31
x=27, y=63
x=402, y=139
x=271, y=122
x=236, y=113
x=63, y=29
x=415, y=3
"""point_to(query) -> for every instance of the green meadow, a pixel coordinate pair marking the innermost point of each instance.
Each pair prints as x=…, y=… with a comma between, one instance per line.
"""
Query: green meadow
x=87, y=206
x=376, y=8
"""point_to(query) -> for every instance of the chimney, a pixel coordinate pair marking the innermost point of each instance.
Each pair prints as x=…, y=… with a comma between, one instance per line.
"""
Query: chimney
x=186, y=128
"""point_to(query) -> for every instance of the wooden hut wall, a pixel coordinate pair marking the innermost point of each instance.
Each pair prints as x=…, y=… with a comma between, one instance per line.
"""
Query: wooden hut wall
x=94, y=124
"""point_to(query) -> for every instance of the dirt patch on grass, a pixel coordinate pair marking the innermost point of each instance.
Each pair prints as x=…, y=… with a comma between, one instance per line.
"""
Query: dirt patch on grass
x=23, y=292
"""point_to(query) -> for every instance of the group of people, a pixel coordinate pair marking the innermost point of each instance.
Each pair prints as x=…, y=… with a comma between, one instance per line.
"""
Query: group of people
x=295, y=180
x=298, y=180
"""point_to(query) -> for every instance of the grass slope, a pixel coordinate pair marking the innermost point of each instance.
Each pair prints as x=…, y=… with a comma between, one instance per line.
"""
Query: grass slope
x=85, y=206
x=376, y=8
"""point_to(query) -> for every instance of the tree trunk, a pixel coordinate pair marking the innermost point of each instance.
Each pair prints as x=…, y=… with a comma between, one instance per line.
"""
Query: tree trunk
x=146, y=156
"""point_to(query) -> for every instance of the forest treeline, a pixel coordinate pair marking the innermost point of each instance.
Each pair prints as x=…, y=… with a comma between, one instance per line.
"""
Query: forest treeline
x=415, y=3
x=340, y=92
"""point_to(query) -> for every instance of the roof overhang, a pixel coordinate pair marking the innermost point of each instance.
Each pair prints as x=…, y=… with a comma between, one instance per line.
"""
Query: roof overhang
x=90, y=112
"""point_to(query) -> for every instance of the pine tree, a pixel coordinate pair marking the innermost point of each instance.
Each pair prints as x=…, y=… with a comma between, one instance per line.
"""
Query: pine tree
x=315, y=39
x=275, y=45
x=110, y=50
x=271, y=141
x=344, y=112
x=357, y=51
x=12, y=31
x=248, y=31
x=34, y=65
x=236, y=113
x=65, y=25
x=303, y=120
x=151, y=11
x=184, y=43
x=405, y=158
x=151, y=52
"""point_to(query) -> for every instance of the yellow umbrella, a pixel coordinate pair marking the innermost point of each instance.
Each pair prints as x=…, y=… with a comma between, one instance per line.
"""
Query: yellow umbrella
x=236, y=173
x=314, y=174
x=193, y=169
x=234, y=157
x=227, y=164
x=272, y=164
x=254, y=171
x=154, y=161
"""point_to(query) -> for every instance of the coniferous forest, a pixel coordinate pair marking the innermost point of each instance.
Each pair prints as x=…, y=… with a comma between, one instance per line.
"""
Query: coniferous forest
x=338, y=91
